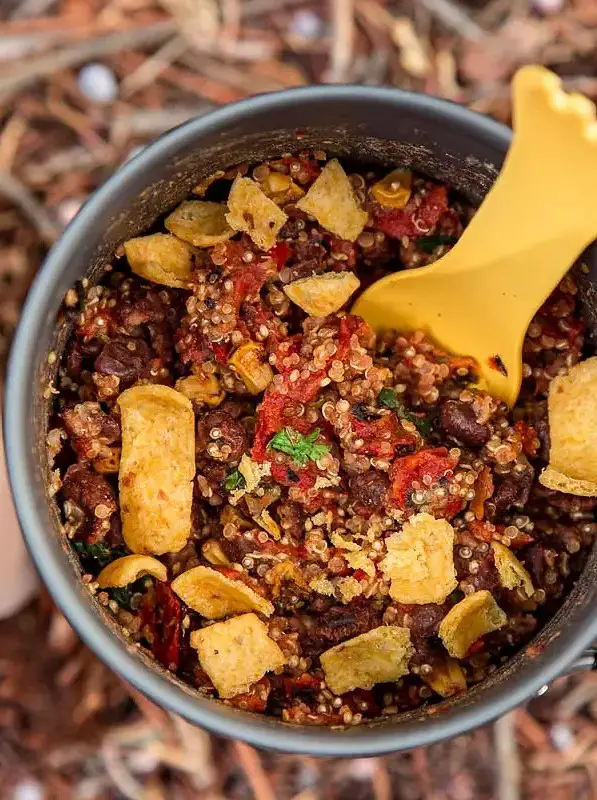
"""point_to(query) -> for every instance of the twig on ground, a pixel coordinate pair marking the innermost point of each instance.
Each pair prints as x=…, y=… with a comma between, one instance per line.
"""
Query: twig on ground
x=19, y=76
x=507, y=758
x=256, y=775
x=343, y=40
x=454, y=17
x=16, y=192
x=382, y=787
x=153, y=66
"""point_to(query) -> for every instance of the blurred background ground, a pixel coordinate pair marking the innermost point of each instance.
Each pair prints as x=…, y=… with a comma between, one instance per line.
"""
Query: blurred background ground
x=83, y=85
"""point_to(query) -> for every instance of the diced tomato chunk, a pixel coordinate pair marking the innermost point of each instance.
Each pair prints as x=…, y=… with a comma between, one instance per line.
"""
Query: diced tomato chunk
x=528, y=437
x=381, y=436
x=435, y=463
x=413, y=220
x=256, y=698
x=290, y=475
x=280, y=253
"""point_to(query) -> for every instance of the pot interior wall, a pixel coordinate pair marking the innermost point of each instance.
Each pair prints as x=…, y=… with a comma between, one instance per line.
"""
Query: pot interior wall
x=441, y=148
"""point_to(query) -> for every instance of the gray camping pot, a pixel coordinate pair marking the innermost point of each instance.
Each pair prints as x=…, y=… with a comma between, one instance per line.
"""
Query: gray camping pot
x=386, y=126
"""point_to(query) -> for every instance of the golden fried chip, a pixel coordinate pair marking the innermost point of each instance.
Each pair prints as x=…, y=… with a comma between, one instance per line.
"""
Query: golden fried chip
x=202, y=388
x=332, y=201
x=215, y=596
x=394, y=190
x=250, y=210
x=468, y=620
x=236, y=653
x=512, y=573
x=360, y=560
x=349, y=588
x=128, y=569
x=572, y=406
x=446, y=679
x=281, y=188
x=269, y=524
x=161, y=258
x=323, y=294
x=211, y=550
x=250, y=363
x=378, y=656
x=157, y=468
x=200, y=223
x=420, y=561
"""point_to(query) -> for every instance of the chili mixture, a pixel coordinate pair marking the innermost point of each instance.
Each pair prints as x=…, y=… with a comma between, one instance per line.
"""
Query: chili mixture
x=293, y=514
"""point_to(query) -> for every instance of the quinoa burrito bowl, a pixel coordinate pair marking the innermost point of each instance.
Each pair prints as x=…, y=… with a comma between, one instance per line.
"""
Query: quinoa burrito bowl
x=290, y=517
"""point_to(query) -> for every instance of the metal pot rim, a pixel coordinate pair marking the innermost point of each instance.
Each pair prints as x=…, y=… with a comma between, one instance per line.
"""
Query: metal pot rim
x=58, y=574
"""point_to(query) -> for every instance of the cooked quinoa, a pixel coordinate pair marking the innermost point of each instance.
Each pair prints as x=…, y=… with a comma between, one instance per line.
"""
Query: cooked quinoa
x=357, y=509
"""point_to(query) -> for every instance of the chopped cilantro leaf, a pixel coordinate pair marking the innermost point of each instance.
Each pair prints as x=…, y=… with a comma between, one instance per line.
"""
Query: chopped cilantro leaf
x=389, y=399
x=300, y=448
x=235, y=480
x=100, y=552
x=428, y=243
x=122, y=594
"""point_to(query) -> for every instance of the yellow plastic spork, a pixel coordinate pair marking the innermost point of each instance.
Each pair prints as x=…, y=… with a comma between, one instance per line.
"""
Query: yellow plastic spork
x=479, y=299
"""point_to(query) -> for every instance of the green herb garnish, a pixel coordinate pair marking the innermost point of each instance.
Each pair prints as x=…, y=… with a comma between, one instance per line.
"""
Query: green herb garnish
x=122, y=595
x=235, y=480
x=428, y=243
x=300, y=448
x=389, y=399
x=100, y=552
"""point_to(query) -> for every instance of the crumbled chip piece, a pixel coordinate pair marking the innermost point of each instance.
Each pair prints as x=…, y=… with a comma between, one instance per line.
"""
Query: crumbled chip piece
x=236, y=653
x=284, y=571
x=468, y=620
x=202, y=388
x=344, y=544
x=447, y=678
x=161, y=258
x=251, y=211
x=214, y=595
x=281, y=188
x=554, y=479
x=327, y=483
x=378, y=656
x=269, y=524
x=211, y=550
x=349, y=588
x=322, y=585
x=249, y=361
x=332, y=201
x=572, y=407
x=252, y=472
x=200, y=223
x=362, y=561
x=394, y=190
x=128, y=569
x=420, y=561
x=512, y=573
x=157, y=467
x=324, y=294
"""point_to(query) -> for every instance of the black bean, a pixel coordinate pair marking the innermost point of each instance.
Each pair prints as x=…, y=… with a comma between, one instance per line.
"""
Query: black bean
x=459, y=421
x=370, y=488
x=128, y=359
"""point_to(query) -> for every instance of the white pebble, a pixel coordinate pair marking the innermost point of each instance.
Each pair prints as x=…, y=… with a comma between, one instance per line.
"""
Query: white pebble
x=29, y=790
x=98, y=82
x=561, y=736
x=307, y=24
x=548, y=6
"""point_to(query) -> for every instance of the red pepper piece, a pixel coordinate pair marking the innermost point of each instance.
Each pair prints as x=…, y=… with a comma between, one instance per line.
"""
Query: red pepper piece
x=435, y=462
x=280, y=253
x=381, y=436
x=162, y=613
x=412, y=220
